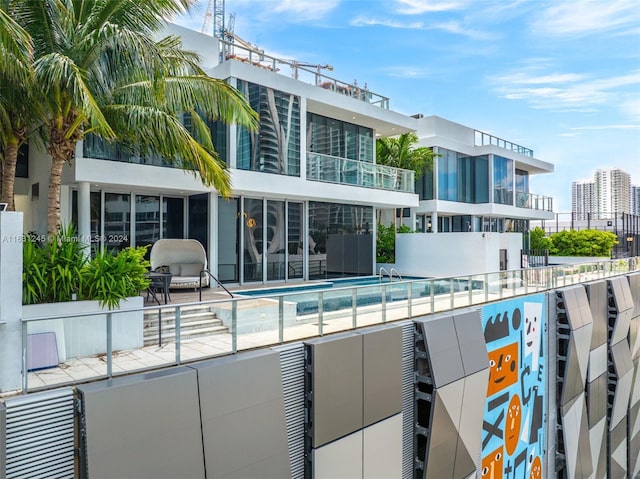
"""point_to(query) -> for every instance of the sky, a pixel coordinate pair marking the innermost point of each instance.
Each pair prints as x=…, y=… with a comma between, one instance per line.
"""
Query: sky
x=559, y=77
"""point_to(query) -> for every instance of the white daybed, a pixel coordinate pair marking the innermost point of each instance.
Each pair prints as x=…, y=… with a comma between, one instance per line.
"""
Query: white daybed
x=185, y=259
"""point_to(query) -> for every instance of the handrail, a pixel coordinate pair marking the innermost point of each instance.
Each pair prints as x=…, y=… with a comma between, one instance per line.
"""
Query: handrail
x=215, y=279
x=382, y=268
x=391, y=275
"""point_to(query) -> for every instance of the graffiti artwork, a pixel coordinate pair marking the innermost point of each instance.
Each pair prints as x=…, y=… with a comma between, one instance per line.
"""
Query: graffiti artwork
x=513, y=439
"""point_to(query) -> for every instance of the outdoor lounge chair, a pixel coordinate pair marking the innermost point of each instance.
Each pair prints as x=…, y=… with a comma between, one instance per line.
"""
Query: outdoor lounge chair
x=185, y=259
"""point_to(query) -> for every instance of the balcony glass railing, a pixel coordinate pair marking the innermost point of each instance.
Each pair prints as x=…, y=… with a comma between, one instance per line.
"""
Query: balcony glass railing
x=291, y=316
x=483, y=139
x=534, y=202
x=332, y=169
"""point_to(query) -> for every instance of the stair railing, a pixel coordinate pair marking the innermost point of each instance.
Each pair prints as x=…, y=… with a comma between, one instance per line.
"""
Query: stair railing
x=213, y=278
x=393, y=270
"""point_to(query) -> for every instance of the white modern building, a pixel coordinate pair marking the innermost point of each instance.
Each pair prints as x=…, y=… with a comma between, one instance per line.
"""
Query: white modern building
x=475, y=203
x=306, y=186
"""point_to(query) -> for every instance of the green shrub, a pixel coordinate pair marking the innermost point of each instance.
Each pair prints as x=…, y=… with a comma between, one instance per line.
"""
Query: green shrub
x=51, y=271
x=386, y=242
x=583, y=243
x=539, y=240
x=58, y=269
x=110, y=278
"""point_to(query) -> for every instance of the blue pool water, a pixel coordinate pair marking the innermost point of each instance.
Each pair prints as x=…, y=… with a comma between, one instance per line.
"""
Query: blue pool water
x=335, y=296
x=324, y=285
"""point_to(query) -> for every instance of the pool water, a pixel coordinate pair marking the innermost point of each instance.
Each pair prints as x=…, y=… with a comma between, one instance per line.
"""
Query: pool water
x=338, y=293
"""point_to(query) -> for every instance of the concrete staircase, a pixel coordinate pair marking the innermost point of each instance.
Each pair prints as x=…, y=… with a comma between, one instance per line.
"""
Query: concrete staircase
x=195, y=322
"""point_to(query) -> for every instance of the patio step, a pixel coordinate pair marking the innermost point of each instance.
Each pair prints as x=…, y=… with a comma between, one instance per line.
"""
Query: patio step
x=195, y=322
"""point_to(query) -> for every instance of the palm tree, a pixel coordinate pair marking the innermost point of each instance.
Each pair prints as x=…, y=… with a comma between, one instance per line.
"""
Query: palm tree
x=98, y=69
x=16, y=107
x=400, y=152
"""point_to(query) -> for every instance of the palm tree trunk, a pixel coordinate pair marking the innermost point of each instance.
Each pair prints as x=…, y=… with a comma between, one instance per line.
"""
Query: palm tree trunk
x=53, y=205
x=9, y=175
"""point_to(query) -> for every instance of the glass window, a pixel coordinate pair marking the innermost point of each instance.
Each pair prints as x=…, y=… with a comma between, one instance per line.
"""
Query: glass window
x=276, y=240
x=228, y=237
x=275, y=147
x=333, y=137
x=502, y=180
x=147, y=219
x=340, y=240
x=253, y=239
x=117, y=220
x=172, y=217
x=294, y=240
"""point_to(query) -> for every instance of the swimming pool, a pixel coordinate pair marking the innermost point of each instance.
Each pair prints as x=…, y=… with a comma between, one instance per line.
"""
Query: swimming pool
x=341, y=293
x=324, y=285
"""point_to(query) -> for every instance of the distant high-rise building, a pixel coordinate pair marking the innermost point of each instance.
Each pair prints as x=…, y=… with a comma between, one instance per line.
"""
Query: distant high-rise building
x=582, y=199
x=608, y=194
x=635, y=200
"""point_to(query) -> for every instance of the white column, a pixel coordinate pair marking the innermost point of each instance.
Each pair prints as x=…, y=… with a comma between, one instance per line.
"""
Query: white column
x=434, y=222
x=10, y=301
x=303, y=137
x=84, y=215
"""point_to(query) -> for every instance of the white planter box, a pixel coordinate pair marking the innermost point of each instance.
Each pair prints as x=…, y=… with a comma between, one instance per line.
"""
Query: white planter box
x=83, y=336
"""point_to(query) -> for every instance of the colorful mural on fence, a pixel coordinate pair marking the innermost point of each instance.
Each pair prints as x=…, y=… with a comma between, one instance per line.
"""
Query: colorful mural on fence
x=513, y=439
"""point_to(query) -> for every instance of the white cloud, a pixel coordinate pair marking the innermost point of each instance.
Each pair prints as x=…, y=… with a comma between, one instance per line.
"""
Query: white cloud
x=363, y=21
x=406, y=71
x=588, y=16
x=306, y=9
x=565, y=91
x=418, y=7
x=457, y=28
x=606, y=127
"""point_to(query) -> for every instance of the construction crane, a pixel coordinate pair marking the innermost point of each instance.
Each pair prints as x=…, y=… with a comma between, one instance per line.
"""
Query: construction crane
x=215, y=15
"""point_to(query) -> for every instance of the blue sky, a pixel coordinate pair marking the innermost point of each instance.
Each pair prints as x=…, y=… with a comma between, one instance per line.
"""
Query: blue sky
x=559, y=77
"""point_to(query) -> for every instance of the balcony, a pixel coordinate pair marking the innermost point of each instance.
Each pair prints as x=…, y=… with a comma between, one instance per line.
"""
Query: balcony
x=331, y=169
x=534, y=202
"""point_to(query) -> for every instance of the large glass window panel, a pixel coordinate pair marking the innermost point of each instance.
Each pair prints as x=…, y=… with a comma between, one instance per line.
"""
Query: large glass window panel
x=447, y=165
x=481, y=179
x=117, y=220
x=295, y=243
x=199, y=219
x=502, y=180
x=329, y=136
x=275, y=147
x=340, y=243
x=228, y=240
x=276, y=240
x=172, y=217
x=253, y=239
x=147, y=219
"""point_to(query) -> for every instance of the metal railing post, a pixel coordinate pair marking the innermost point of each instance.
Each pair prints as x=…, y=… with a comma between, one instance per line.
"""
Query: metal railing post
x=433, y=297
x=25, y=355
x=109, y=344
x=320, y=312
x=234, y=327
x=178, y=335
x=281, y=319
x=383, y=293
x=409, y=300
x=486, y=287
x=451, y=292
x=354, y=308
